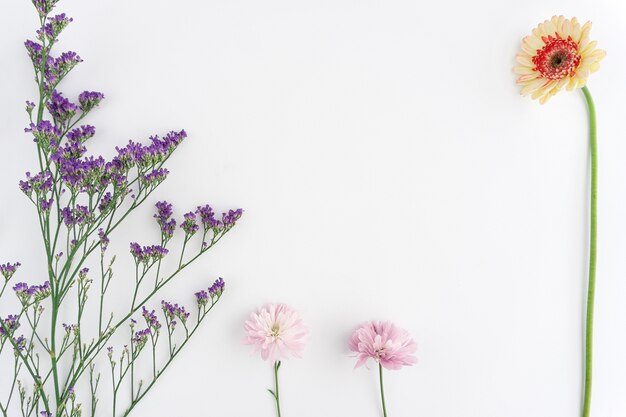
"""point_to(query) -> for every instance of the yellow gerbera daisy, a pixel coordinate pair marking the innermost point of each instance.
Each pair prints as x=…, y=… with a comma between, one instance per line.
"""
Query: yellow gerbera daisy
x=557, y=54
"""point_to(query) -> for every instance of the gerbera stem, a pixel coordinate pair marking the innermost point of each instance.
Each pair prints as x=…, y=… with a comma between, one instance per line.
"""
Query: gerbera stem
x=382, y=389
x=593, y=231
x=276, y=394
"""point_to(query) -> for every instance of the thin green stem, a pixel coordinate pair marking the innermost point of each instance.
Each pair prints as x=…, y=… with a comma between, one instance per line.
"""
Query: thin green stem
x=276, y=394
x=593, y=232
x=382, y=389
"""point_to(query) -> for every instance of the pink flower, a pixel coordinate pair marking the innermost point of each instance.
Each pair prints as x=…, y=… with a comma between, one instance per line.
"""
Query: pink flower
x=277, y=331
x=384, y=342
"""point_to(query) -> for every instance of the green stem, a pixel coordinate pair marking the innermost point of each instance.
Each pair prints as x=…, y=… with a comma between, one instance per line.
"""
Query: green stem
x=593, y=232
x=276, y=395
x=382, y=389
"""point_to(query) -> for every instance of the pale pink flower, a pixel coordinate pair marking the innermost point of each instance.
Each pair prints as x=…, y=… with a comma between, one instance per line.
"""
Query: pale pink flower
x=277, y=331
x=384, y=342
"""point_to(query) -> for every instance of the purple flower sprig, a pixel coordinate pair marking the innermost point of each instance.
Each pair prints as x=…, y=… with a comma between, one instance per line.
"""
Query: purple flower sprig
x=51, y=30
x=213, y=293
x=164, y=220
x=173, y=312
x=8, y=269
x=8, y=326
x=79, y=198
x=32, y=294
x=189, y=224
x=147, y=254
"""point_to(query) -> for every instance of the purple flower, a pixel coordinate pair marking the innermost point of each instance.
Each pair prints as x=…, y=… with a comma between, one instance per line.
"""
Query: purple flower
x=21, y=291
x=54, y=27
x=189, y=224
x=105, y=202
x=151, y=319
x=140, y=338
x=45, y=134
x=57, y=68
x=149, y=156
x=43, y=8
x=7, y=270
x=173, y=311
x=34, y=51
x=155, y=177
x=9, y=325
x=45, y=413
x=81, y=134
x=30, y=106
x=231, y=217
x=147, y=254
x=40, y=183
x=164, y=212
x=104, y=240
x=202, y=298
x=33, y=293
x=20, y=343
x=217, y=288
x=89, y=99
x=61, y=109
x=207, y=216
x=79, y=215
x=46, y=205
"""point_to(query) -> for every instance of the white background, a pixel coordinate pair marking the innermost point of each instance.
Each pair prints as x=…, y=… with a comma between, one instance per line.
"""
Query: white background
x=388, y=169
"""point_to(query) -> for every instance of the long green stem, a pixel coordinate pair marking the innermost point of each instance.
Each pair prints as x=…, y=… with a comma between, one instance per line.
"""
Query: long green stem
x=276, y=394
x=382, y=389
x=593, y=232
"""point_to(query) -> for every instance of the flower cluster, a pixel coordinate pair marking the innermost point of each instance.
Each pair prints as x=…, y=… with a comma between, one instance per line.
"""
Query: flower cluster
x=9, y=325
x=155, y=177
x=140, y=338
x=41, y=184
x=8, y=269
x=149, y=156
x=54, y=27
x=89, y=99
x=151, y=319
x=44, y=7
x=207, y=217
x=189, y=224
x=147, y=254
x=163, y=217
x=173, y=311
x=61, y=109
x=214, y=293
x=77, y=216
x=229, y=219
x=217, y=288
x=44, y=133
x=33, y=293
x=104, y=240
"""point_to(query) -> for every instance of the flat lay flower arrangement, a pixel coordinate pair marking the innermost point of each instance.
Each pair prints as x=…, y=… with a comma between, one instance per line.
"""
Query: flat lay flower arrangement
x=59, y=367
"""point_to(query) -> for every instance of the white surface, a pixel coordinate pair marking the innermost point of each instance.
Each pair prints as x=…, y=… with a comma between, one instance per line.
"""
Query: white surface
x=388, y=169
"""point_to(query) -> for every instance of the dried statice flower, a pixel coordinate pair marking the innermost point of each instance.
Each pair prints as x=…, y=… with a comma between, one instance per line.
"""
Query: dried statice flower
x=147, y=254
x=173, y=311
x=189, y=224
x=8, y=269
x=163, y=217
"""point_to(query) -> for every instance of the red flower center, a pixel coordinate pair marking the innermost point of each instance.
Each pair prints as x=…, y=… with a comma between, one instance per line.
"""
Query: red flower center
x=558, y=58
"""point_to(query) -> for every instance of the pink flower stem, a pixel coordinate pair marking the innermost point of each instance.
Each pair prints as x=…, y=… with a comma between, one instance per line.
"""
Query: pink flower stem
x=593, y=232
x=382, y=389
x=275, y=392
